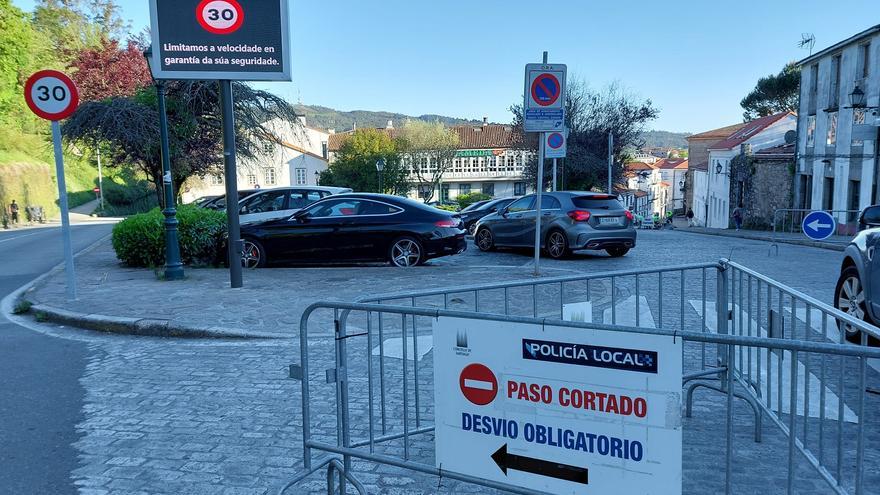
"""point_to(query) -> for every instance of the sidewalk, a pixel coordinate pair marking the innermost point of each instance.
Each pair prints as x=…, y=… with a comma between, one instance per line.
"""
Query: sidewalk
x=835, y=243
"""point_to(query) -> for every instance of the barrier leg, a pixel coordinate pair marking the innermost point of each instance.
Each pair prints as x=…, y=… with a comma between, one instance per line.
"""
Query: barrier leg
x=756, y=409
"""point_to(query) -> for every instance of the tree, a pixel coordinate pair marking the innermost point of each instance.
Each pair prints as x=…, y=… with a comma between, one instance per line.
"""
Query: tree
x=355, y=164
x=429, y=149
x=109, y=70
x=590, y=116
x=774, y=94
x=129, y=127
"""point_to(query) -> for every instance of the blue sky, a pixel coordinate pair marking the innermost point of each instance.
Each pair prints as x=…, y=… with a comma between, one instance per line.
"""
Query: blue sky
x=695, y=60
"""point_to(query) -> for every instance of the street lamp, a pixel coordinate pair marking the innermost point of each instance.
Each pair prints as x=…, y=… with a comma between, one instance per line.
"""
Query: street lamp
x=317, y=176
x=173, y=266
x=857, y=98
x=380, y=166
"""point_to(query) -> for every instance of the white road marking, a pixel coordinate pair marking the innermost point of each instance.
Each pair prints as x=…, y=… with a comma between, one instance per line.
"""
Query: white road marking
x=625, y=313
x=831, y=399
x=579, y=311
x=478, y=384
x=832, y=331
x=393, y=347
x=21, y=236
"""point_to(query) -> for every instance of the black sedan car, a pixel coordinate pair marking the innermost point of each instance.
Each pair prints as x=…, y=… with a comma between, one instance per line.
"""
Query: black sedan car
x=355, y=227
x=858, y=288
x=471, y=216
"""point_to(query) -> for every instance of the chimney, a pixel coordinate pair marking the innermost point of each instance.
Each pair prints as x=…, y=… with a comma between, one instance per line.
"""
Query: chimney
x=485, y=121
x=390, y=125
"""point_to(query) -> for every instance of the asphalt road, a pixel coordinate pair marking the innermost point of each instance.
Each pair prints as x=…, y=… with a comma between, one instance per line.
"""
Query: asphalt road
x=40, y=391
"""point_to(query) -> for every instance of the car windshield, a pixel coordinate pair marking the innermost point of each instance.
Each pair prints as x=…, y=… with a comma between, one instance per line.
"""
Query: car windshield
x=598, y=202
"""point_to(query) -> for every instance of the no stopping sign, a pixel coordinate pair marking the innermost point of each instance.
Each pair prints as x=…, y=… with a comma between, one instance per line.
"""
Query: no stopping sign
x=51, y=95
x=220, y=16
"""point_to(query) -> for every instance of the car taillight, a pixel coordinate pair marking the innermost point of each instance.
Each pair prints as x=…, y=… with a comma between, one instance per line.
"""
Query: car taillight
x=579, y=215
x=629, y=215
x=449, y=222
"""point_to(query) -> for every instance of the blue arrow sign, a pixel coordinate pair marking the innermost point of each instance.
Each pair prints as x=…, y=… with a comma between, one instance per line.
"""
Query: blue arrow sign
x=818, y=225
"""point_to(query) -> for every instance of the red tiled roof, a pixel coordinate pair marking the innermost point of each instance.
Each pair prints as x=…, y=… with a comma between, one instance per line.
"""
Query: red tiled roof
x=748, y=130
x=720, y=133
x=469, y=137
x=639, y=166
x=641, y=194
x=672, y=163
x=301, y=150
x=783, y=149
x=664, y=184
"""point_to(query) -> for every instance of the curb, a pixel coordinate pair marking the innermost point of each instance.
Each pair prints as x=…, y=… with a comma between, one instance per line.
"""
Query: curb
x=795, y=242
x=144, y=327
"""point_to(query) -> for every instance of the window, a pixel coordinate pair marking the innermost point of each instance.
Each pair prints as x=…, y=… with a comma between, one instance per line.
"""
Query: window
x=351, y=207
x=811, y=131
x=828, y=194
x=806, y=191
x=864, y=64
x=252, y=179
x=301, y=199
x=267, y=201
x=855, y=190
x=831, y=137
x=325, y=150
x=216, y=179
x=834, y=95
x=522, y=204
x=519, y=188
x=814, y=88
x=269, y=176
x=550, y=203
x=464, y=189
x=489, y=188
x=444, y=192
x=268, y=147
x=299, y=177
x=858, y=119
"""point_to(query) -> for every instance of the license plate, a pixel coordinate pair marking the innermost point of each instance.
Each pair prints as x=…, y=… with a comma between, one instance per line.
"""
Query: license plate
x=609, y=221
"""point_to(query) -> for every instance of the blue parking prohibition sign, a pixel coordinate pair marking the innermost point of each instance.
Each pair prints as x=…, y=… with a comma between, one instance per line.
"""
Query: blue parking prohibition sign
x=545, y=90
x=555, y=140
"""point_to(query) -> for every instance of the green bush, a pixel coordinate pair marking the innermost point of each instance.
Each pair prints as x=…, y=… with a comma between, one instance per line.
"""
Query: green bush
x=466, y=200
x=135, y=196
x=139, y=240
x=446, y=207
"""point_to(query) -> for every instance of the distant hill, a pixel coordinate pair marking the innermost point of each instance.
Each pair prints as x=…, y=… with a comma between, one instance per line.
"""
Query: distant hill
x=328, y=118
x=665, y=139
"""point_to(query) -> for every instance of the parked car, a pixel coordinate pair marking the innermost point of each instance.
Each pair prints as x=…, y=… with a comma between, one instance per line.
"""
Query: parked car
x=474, y=205
x=355, y=227
x=202, y=201
x=278, y=202
x=571, y=221
x=219, y=202
x=858, y=288
x=470, y=217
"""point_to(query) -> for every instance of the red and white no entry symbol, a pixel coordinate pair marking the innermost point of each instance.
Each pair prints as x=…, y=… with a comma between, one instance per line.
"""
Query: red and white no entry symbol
x=478, y=384
x=51, y=94
x=546, y=89
x=220, y=16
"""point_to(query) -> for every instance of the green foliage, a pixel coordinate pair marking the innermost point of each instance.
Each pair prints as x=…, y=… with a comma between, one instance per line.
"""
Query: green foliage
x=133, y=196
x=466, y=200
x=774, y=94
x=665, y=139
x=329, y=118
x=22, y=306
x=428, y=148
x=139, y=240
x=29, y=184
x=355, y=164
x=446, y=207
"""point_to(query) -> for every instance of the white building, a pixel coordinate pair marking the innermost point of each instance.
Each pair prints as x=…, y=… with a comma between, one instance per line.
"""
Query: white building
x=671, y=188
x=712, y=187
x=837, y=165
x=298, y=156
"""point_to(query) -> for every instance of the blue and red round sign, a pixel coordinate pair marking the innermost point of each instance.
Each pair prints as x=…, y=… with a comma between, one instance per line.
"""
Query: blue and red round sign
x=555, y=140
x=546, y=89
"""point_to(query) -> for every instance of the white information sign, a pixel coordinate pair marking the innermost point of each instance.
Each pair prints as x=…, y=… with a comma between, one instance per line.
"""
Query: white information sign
x=558, y=410
x=544, y=92
x=555, y=144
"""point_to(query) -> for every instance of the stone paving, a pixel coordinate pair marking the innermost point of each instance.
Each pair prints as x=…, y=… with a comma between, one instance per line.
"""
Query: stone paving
x=185, y=416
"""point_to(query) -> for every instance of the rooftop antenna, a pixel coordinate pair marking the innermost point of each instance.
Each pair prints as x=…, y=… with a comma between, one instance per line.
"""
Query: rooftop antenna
x=808, y=41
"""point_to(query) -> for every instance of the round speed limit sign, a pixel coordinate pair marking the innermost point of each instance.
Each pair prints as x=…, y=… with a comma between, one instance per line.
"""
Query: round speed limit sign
x=220, y=16
x=51, y=95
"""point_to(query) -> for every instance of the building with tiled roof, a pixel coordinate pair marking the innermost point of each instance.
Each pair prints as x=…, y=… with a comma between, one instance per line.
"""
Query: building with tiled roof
x=488, y=160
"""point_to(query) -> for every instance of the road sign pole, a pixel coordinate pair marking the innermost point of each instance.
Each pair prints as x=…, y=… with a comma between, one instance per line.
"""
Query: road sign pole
x=554, y=176
x=540, y=187
x=231, y=171
x=65, y=219
x=610, y=159
x=100, y=180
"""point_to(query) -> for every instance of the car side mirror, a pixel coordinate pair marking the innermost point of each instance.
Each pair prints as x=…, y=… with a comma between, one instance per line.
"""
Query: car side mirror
x=243, y=210
x=871, y=216
x=301, y=216
x=504, y=211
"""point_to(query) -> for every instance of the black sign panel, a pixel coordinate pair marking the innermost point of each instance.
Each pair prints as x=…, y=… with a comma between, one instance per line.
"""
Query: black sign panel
x=220, y=39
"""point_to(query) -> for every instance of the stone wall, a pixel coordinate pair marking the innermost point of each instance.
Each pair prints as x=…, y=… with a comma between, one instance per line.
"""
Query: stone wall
x=766, y=187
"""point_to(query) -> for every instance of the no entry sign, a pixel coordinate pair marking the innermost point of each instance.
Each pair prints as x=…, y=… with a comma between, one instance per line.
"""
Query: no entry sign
x=558, y=410
x=220, y=39
x=555, y=144
x=51, y=95
x=544, y=90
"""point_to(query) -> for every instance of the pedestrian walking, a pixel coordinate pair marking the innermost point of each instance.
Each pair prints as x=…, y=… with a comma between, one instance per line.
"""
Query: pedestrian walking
x=690, y=217
x=13, y=210
x=669, y=215
x=738, y=216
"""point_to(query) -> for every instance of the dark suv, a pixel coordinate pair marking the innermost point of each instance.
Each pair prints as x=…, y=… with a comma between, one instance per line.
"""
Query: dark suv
x=858, y=289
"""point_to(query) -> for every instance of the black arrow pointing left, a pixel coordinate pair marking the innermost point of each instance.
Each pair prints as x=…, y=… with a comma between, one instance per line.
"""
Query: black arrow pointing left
x=540, y=467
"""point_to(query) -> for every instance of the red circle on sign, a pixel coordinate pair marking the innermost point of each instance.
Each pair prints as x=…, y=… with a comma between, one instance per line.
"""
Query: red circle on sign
x=478, y=384
x=543, y=82
x=70, y=100
x=203, y=15
x=555, y=140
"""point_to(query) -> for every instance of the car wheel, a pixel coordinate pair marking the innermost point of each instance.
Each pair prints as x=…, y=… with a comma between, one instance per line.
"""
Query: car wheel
x=406, y=252
x=253, y=255
x=472, y=229
x=485, y=240
x=617, y=252
x=851, y=300
x=556, y=245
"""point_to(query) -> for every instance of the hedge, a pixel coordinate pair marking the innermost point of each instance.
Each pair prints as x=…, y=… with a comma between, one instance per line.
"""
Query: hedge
x=139, y=240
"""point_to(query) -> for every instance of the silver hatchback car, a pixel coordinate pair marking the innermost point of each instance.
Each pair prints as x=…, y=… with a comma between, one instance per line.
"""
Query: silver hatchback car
x=570, y=221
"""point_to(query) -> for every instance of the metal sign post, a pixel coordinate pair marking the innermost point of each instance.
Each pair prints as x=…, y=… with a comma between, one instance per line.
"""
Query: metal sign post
x=540, y=189
x=226, y=40
x=610, y=160
x=53, y=96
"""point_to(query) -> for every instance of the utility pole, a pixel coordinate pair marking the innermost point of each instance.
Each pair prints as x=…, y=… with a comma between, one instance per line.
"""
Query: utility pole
x=554, y=176
x=542, y=136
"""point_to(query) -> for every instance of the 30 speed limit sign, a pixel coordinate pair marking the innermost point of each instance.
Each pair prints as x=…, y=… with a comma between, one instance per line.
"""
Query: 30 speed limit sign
x=220, y=16
x=51, y=95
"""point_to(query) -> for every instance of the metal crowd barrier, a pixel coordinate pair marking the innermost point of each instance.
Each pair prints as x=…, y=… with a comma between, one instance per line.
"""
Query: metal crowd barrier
x=746, y=336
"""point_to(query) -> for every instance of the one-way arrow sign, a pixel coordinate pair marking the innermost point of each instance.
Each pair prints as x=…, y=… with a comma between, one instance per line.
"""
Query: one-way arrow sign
x=540, y=467
x=818, y=225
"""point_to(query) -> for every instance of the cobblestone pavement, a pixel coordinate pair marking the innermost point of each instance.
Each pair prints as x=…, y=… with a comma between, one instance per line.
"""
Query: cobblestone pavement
x=222, y=417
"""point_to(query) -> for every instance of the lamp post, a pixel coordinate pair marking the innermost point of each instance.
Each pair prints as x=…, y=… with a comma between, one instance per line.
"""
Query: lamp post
x=317, y=177
x=380, y=166
x=173, y=266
